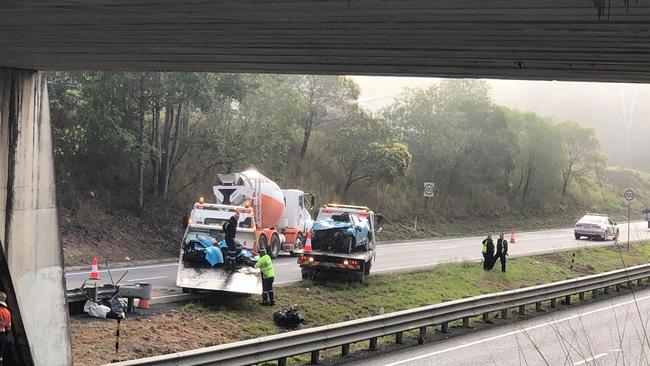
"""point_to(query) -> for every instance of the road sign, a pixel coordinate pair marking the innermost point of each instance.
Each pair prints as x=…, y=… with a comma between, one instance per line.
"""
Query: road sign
x=629, y=195
x=428, y=189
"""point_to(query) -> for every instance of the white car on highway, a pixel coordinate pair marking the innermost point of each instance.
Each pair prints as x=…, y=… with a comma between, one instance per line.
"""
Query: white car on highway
x=596, y=226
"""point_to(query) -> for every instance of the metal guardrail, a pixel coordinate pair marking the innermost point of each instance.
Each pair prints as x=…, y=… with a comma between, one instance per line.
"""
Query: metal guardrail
x=312, y=340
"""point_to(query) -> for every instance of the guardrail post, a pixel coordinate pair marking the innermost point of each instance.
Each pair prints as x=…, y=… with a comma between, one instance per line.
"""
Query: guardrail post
x=553, y=303
x=567, y=300
x=618, y=288
x=444, y=328
x=629, y=284
x=594, y=293
x=345, y=349
x=538, y=306
x=522, y=310
x=606, y=290
x=504, y=313
x=373, y=344
x=638, y=282
x=399, y=337
x=315, y=355
x=486, y=317
x=466, y=322
x=282, y=361
x=423, y=334
x=581, y=296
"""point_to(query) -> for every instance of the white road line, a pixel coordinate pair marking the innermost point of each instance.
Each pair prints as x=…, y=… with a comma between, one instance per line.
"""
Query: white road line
x=146, y=279
x=589, y=359
x=606, y=308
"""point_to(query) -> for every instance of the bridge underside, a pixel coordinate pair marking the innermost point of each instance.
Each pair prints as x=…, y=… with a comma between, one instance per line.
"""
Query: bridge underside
x=522, y=39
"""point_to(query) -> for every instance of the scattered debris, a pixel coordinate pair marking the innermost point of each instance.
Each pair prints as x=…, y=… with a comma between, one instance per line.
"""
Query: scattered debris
x=288, y=317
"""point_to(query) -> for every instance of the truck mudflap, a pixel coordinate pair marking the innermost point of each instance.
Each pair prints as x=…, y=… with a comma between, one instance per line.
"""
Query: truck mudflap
x=245, y=280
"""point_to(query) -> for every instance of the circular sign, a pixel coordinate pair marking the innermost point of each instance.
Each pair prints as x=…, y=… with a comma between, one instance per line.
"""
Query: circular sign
x=428, y=189
x=629, y=195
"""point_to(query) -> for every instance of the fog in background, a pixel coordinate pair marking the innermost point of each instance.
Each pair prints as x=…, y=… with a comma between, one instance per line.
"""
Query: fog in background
x=619, y=113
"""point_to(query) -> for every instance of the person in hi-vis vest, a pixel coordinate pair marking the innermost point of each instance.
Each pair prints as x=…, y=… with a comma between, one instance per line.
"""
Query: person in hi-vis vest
x=488, y=252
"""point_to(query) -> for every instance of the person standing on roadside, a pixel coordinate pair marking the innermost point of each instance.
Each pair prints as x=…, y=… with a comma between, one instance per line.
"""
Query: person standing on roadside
x=268, y=276
x=5, y=324
x=502, y=252
x=488, y=252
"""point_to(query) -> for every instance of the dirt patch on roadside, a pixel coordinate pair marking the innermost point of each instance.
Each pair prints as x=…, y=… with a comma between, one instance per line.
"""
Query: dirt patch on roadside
x=167, y=330
x=114, y=235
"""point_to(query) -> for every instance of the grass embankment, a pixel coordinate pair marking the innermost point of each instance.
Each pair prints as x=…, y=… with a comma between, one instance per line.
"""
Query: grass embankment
x=231, y=319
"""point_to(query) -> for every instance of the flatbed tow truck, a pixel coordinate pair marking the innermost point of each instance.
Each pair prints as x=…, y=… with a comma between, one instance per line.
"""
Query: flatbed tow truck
x=357, y=263
x=205, y=221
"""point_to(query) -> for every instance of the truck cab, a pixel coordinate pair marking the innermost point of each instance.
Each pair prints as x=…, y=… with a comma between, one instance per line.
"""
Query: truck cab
x=296, y=220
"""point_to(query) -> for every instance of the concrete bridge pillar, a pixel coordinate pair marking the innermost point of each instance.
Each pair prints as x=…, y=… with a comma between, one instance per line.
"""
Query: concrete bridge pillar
x=29, y=227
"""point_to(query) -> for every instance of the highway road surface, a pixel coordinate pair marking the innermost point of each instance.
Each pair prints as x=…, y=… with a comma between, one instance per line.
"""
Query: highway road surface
x=612, y=331
x=391, y=257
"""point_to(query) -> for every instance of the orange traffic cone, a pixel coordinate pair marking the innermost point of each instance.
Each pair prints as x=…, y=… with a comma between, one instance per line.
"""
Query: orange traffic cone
x=308, y=242
x=143, y=304
x=512, y=236
x=94, y=272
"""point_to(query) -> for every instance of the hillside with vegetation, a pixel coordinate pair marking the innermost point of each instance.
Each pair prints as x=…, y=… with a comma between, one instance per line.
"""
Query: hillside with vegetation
x=133, y=151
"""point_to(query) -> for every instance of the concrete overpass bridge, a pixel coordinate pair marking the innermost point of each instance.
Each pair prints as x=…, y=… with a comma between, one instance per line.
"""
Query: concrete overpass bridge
x=587, y=40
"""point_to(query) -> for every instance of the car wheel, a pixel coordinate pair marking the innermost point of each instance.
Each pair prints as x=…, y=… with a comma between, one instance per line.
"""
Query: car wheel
x=577, y=236
x=275, y=246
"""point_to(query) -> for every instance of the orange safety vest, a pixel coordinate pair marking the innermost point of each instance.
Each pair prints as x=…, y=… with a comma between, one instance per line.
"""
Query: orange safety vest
x=5, y=319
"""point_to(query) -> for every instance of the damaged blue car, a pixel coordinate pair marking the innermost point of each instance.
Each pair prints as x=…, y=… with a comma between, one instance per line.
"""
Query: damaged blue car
x=342, y=233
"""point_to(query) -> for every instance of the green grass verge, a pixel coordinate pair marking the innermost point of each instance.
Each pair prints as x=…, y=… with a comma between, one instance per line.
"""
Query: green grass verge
x=331, y=302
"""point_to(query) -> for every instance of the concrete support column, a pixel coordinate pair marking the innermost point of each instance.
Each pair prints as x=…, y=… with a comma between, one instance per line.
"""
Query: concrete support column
x=28, y=216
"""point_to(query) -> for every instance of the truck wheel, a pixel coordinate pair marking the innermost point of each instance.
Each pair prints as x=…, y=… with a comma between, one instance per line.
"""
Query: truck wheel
x=366, y=268
x=262, y=243
x=275, y=246
x=577, y=236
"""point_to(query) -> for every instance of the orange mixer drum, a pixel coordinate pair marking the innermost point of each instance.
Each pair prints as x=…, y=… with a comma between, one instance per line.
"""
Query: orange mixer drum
x=272, y=197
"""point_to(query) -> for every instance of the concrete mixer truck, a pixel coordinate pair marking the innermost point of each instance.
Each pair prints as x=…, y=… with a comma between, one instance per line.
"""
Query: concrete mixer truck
x=281, y=216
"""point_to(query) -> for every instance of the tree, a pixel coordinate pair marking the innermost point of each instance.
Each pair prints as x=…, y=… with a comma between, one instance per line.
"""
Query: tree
x=580, y=147
x=538, y=163
x=322, y=99
x=364, y=152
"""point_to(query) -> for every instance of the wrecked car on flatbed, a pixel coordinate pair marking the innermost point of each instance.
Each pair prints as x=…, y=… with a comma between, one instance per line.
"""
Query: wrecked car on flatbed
x=343, y=241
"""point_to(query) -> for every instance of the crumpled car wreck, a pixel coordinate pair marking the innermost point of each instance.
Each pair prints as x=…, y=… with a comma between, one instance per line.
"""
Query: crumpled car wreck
x=342, y=233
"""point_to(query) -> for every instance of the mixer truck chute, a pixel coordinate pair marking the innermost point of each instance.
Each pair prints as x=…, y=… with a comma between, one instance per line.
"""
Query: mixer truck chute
x=282, y=217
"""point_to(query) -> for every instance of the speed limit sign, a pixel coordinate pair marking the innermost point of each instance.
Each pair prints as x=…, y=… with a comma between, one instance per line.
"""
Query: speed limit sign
x=629, y=195
x=428, y=189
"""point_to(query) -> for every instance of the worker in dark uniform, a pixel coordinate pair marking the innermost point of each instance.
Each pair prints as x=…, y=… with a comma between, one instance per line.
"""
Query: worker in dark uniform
x=230, y=230
x=268, y=276
x=502, y=252
x=488, y=252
